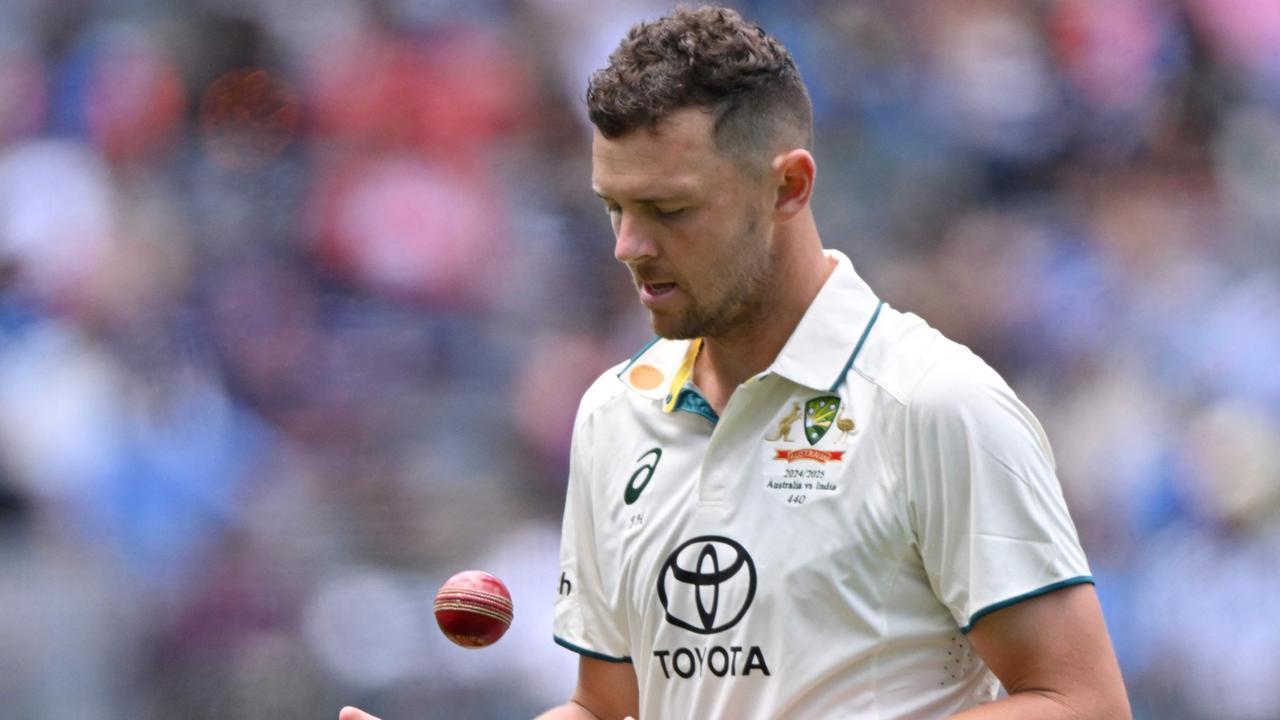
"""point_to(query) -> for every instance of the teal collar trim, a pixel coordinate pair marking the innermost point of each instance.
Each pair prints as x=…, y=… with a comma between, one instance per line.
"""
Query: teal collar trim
x=691, y=401
x=858, y=348
x=820, y=344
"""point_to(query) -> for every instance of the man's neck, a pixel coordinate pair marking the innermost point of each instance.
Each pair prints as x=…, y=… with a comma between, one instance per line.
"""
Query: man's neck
x=727, y=361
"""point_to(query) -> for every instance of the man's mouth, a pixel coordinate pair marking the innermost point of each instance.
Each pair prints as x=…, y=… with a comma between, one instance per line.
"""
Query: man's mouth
x=656, y=289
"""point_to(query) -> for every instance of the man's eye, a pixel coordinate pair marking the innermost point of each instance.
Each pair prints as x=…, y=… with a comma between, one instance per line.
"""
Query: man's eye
x=668, y=214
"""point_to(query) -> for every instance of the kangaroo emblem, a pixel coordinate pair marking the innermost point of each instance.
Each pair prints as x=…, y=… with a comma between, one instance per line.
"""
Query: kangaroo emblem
x=784, y=425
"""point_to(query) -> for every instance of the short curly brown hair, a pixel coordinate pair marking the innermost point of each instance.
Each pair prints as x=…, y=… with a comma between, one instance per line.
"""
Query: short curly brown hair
x=707, y=57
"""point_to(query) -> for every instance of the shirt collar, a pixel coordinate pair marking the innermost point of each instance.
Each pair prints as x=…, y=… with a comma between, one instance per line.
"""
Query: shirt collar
x=818, y=354
x=830, y=335
x=653, y=371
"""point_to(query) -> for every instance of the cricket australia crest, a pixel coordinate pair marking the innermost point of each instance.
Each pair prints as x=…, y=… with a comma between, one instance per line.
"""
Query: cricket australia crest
x=819, y=414
x=798, y=471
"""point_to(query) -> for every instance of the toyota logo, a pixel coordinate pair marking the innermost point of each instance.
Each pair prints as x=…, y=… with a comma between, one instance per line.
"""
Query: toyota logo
x=707, y=584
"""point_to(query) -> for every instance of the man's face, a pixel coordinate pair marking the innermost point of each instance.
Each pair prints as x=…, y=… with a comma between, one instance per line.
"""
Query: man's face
x=690, y=225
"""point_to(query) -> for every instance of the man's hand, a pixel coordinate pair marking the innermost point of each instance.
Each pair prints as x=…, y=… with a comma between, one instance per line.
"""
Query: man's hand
x=606, y=691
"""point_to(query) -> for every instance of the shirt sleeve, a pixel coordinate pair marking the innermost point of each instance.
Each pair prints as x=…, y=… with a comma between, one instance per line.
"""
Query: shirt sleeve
x=588, y=619
x=985, y=503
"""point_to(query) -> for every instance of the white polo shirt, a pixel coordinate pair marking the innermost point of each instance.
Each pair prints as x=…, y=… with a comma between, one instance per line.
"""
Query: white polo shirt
x=821, y=548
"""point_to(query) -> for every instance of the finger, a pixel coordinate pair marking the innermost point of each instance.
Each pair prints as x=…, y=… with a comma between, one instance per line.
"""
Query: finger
x=350, y=713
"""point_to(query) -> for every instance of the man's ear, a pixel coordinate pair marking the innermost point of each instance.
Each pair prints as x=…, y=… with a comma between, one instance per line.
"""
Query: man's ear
x=793, y=173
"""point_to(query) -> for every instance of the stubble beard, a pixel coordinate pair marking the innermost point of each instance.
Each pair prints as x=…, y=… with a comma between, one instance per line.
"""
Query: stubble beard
x=743, y=298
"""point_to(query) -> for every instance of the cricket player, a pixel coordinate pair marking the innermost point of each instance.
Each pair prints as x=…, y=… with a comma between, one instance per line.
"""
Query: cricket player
x=797, y=502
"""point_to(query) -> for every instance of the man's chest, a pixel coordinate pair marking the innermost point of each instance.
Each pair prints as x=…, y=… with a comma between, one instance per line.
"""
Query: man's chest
x=747, y=533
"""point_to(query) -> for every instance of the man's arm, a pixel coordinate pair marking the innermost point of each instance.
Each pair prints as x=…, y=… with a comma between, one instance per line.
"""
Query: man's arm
x=606, y=691
x=1054, y=657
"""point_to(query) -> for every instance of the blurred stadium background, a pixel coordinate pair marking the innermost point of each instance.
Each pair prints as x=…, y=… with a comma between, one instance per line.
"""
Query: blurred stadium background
x=297, y=300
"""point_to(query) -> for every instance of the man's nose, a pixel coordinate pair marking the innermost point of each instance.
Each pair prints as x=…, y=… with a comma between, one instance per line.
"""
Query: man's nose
x=632, y=242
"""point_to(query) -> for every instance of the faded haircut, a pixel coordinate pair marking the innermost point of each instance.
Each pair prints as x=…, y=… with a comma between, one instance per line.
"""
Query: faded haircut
x=710, y=58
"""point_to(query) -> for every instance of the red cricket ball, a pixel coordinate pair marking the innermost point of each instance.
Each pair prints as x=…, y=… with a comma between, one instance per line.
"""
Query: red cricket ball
x=473, y=609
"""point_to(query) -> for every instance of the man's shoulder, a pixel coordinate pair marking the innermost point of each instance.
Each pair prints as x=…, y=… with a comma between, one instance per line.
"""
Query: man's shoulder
x=918, y=366
x=941, y=386
x=607, y=388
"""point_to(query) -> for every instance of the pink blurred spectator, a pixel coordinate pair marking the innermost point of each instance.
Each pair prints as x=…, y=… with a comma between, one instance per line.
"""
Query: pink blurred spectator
x=452, y=94
x=1244, y=33
x=1111, y=52
x=22, y=93
x=410, y=229
x=134, y=101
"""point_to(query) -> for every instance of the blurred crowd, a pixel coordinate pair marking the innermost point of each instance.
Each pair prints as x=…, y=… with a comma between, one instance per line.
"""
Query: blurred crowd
x=297, y=300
